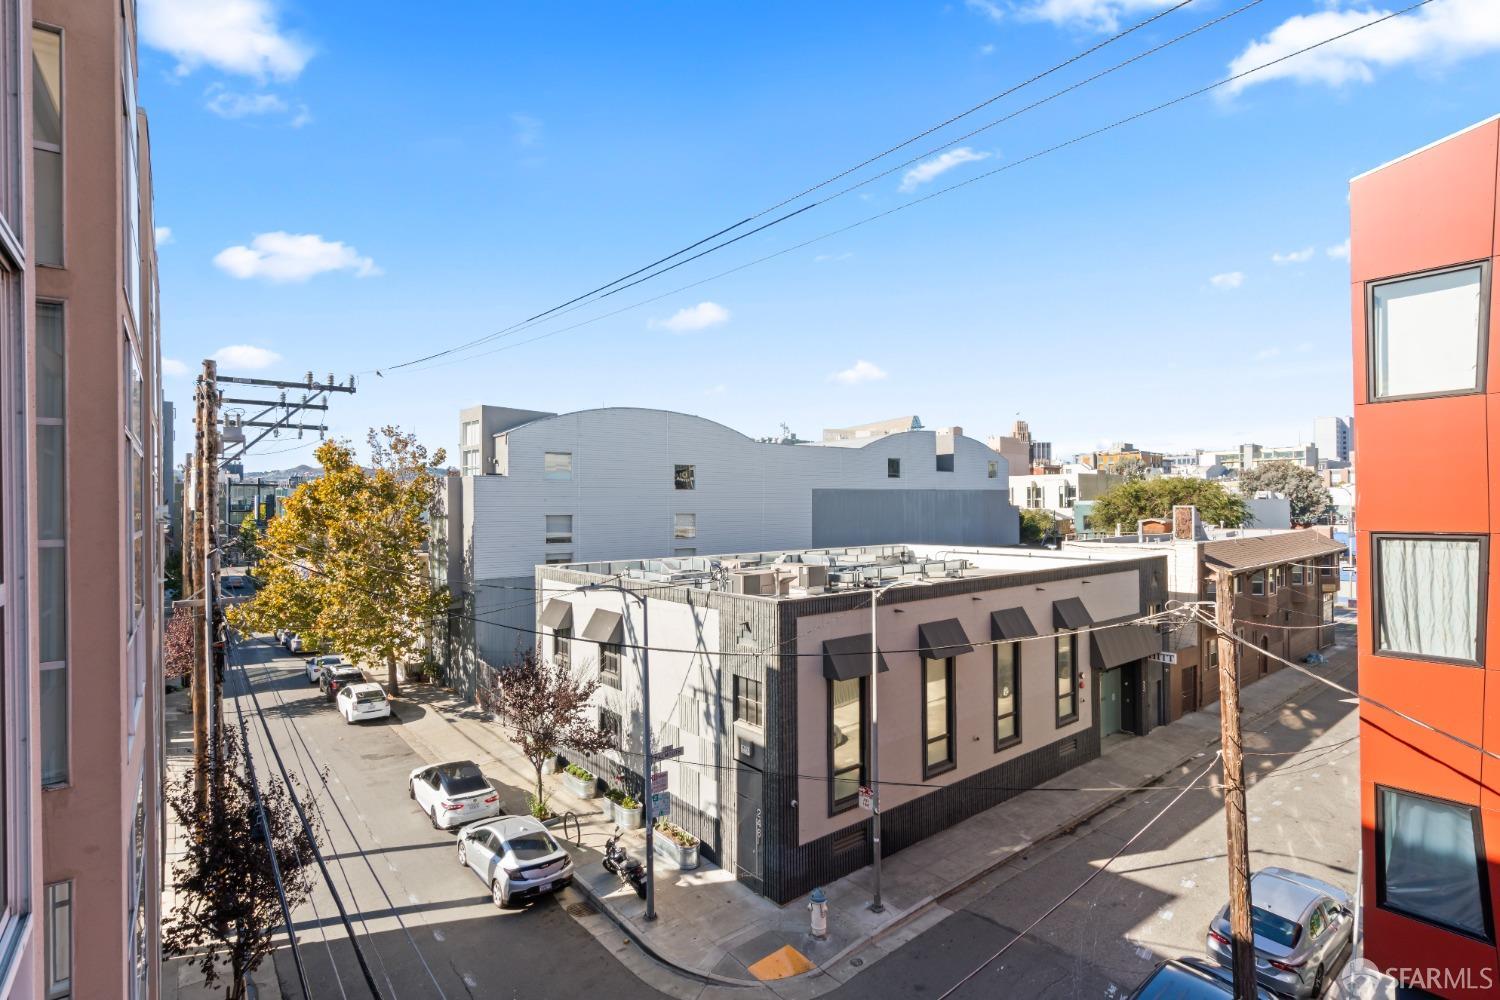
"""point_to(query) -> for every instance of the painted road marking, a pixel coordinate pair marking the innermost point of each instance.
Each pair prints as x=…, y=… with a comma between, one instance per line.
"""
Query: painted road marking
x=781, y=963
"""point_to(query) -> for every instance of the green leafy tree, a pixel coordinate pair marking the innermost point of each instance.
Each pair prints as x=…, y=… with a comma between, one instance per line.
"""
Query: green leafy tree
x=249, y=542
x=1139, y=499
x=343, y=564
x=1310, y=499
x=1035, y=524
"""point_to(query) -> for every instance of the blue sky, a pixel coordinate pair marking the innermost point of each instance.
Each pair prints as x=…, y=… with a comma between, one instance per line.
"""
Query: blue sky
x=347, y=189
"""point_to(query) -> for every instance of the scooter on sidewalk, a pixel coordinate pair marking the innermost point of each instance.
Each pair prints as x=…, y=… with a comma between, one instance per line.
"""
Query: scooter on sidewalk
x=623, y=865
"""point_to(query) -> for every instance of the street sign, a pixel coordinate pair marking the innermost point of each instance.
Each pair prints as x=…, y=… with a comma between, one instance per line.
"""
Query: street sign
x=866, y=798
x=658, y=782
x=668, y=753
x=661, y=804
x=1165, y=657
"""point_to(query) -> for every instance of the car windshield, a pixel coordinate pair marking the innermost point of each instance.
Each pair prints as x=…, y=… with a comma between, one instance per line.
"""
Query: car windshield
x=1273, y=928
x=345, y=673
x=370, y=696
x=530, y=846
x=461, y=779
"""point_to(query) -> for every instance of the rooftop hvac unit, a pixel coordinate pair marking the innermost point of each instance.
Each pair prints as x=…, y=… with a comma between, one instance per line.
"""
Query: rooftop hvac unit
x=812, y=576
x=762, y=584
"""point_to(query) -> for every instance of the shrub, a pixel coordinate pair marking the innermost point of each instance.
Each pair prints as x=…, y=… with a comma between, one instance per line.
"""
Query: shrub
x=675, y=833
x=581, y=773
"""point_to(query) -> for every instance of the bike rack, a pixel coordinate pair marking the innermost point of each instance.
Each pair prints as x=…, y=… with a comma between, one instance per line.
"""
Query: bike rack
x=577, y=826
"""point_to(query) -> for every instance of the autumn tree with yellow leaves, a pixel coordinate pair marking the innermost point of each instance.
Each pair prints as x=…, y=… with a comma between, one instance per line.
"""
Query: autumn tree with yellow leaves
x=342, y=563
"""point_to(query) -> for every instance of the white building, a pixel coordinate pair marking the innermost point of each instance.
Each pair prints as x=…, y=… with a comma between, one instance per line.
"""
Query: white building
x=1060, y=492
x=1334, y=438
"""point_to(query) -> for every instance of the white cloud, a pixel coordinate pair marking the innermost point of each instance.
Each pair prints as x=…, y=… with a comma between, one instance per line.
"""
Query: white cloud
x=1339, y=252
x=698, y=317
x=528, y=129
x=1439, y=34
x=988, y=8
x=163, y=235
x=861, y=371
x=986, y=50
x=922, y=173
x=1098, y=15
x=1293, y=256
x=230, y=104
x=173, y=367
x=242, y=356
x=1229, y=279
x=301, y=117
x=235, y=36
x=1267, y=354
x=281, y=256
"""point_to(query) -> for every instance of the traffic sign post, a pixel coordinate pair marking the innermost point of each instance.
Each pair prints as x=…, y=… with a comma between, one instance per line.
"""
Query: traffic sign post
x=866, y=798
x=668, y=753
x=658, y=782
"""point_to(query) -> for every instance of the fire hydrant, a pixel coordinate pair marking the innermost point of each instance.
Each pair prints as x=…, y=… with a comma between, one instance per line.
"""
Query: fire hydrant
x=817, y=905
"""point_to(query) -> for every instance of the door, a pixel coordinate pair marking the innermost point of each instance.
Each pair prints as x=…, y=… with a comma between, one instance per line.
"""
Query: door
x=1109, y=702
x=481, y=854
x=749, y=854
x=422, y=791
x=1189, y=690
x=1265, y=663
x=1131, y=720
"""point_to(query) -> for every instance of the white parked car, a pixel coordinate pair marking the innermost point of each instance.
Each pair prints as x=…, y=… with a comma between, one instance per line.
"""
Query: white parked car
x=362, y=702
x=317, y=663
x=293, y=642
x=453, y=794
x=516, y=858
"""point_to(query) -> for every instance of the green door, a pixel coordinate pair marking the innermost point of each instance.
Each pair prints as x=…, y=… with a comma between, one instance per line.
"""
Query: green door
x=1109, y=702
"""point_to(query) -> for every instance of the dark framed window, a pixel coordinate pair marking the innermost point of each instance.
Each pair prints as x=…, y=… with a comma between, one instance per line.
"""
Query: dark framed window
x=1429, y=862
x=848, y=742
x=1007, y=694
x=1426, y=333
x=684, y=477
x=1067, y=677
x=610, y=723
x=747, y=703
x=609, y=664
x=893, y=468
x=1258, y=583
x=1430, y=597
x=562, y=645
x=937, y=716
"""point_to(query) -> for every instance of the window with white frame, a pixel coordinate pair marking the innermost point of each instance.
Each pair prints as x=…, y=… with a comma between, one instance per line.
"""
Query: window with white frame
x=1426, y=333
x=684, y=525
x=470, y=462
x=1429, y=596
x=469, y=436
x=1429, y=861
x=557, y=465
x=52, y=555
x=559, y=529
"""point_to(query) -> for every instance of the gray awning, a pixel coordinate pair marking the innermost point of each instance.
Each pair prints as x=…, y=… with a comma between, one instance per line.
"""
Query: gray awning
x=942, y=639
x=605, y=626
x=1124, y=643
x=1011, y=623
x=557, y=614
x=847, y=658
x=1070, y=613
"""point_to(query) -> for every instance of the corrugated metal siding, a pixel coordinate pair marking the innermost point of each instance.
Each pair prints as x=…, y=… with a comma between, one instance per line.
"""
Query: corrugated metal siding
x=919, y=517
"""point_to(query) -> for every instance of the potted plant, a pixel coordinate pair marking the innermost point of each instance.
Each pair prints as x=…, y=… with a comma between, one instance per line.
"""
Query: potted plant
x=627, y=811
x=580, y=781
x=676, y=845
x=538, y=808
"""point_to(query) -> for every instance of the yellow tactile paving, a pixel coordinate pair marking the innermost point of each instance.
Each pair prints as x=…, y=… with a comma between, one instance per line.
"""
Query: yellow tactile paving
x=781, y=963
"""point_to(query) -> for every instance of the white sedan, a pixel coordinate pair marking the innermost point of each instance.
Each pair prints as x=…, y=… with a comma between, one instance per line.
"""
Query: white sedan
x=361, y=702
x=453, y=794
x=317, y=663
x=516, y=858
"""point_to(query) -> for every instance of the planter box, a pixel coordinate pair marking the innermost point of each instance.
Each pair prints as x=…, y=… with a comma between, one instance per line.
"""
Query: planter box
x=549, y=766
x=627, y=819
x=579, y=787
x=684, y=858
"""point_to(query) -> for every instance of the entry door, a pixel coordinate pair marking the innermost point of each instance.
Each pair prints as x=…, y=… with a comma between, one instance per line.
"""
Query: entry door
x=1131, y=719
x=1189, y=690
x=1109, y=702
x=749, y=854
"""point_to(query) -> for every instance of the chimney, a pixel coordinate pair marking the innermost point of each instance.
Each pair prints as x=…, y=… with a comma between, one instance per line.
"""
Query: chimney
x=1185, y=523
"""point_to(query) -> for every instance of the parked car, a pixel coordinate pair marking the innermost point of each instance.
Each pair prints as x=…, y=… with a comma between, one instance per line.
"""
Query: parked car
x=315, y=665
x=336, y=676
x=293, y=642
x=453, y=794
x=516, y=858
x=1303, y=930
x=1189, y=979
x=362, y=702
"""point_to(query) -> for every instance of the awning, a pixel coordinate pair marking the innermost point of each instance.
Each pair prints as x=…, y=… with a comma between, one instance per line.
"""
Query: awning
x=605, y=626
x=1070, y=613
x=942, y=639
x=1011, y=623
x=1124, y=643
x=557, y=614
x=847, y=658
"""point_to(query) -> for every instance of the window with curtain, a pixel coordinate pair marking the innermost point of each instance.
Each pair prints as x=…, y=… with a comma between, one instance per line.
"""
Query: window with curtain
x=1429, y=861
x=1427, y=594
x=684, y=525
x=1425, y=334
x=846, y=740
x=937, y=715
x=1067, y=678
x=1007, y=694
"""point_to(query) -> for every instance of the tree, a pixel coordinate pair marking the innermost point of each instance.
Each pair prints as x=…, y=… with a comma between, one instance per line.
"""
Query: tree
x=1137, y=500
x=228, y=910
x=1035, y=524
x=342, y=564
x=545, y=707
x=177, y=642
x=1310, y=499
x=249, y=542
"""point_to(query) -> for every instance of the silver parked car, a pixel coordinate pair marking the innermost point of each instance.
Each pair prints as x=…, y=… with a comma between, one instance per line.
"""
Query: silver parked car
x=1303, y=930
x=515, y=857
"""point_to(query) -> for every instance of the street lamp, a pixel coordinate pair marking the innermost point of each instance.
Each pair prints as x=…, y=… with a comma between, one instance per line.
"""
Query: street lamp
x=876, y=906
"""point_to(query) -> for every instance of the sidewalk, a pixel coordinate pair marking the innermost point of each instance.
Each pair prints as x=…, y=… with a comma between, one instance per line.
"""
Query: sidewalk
x=712, y=930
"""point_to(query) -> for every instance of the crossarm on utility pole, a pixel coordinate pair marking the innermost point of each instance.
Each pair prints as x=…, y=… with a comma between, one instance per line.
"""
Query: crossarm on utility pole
x=1241, y=933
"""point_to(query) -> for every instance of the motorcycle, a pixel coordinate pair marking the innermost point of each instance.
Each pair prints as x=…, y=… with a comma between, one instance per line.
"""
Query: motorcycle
x=623, y=865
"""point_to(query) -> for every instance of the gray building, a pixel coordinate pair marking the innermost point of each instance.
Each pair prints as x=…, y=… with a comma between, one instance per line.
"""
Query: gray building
x=621, y=483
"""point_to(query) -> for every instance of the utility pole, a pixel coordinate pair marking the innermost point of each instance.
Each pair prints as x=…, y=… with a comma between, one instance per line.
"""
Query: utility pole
x=1242, y=939
x=208, y=556
x=195, y=586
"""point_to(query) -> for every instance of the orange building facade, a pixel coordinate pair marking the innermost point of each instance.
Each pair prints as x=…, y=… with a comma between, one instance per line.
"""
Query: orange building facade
x=1426, y=337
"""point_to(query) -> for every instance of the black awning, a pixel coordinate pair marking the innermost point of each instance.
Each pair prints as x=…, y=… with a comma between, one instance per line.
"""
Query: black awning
x=605, y=626
x=557, y=614
x=1124, y=643
x=847, y=658
x=1070, y=613
x=1011, y=623
x=942, y=639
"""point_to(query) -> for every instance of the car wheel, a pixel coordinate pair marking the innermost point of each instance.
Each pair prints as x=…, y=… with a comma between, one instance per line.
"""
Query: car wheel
x=463, y=855
x=433, y=817
x=497, y=894
x=411, y=789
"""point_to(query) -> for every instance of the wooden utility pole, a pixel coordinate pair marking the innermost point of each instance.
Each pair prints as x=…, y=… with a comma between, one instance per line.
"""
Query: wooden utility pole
x=1241, y=934
x=209, y=555
x=193, y=584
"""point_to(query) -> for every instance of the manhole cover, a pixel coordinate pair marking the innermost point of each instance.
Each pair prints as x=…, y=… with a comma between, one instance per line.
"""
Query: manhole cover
x=581, y=909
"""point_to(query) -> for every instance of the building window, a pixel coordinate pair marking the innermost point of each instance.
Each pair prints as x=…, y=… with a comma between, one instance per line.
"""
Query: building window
x=470, y=435
x=1429, y=597
x=610, y=723
x=1067, y=677
x=1428, y=861
x=470, y=462
x=1007, y=694
x=747, y=701
x=59, y=940
x=937, y=716
x=684, y=552
x=1258, y=583
x=557, y=465
x=893, y=468
x=846, y=741
x=47, y=145
x=945, y=463
x=683, y=477
x=559, y=529
x=994, y=470
x=609, y=664
x=562, y=645
x=684, y=525
x=52, y=556
x=558, y=558
x=1425, y=336
x=1296, y=574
